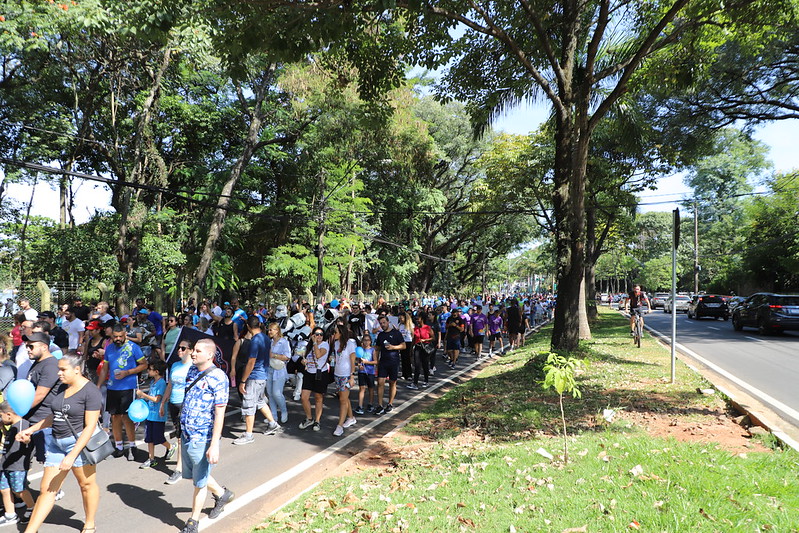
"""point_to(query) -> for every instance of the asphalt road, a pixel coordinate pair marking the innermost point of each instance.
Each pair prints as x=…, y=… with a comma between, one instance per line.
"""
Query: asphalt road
x=766, y=366
x=263, y=474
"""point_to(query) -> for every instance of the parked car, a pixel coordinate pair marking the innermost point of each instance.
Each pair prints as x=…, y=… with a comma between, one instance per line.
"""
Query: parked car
x=659, y=300
x=768, y=312
x=604, y=298
x=707, y=305
x=680, y=304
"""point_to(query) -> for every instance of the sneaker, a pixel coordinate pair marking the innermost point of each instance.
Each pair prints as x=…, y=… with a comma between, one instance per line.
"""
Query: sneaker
x=220, y=502
x=118, y=452
x=130, y=454
x=7, y=520
x=19, y=505
x=412, y=386
x=154, y=462
x=146, y=464
x=350, y=422
x=380, y=410
x=389, y=408
x=316, y=426
x=59, y=495
x=246, y=438
x=370, y=408
x=339, y=431
x=174, y=478
x=272, y=428
x=305, y=424
x=425, y=384
x=192, y=526
x=433, y=371
x=170, y=453
x=26, y=516
x=358, y=410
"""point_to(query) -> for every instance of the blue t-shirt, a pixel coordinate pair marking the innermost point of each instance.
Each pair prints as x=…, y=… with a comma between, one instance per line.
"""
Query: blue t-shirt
x=126, y=357
x=197, y=415
x=368, y=355
x=157, y=321
x=156, y=389
x=240, y=318
x=442, y=320
x=177, y=376
x=259, y=350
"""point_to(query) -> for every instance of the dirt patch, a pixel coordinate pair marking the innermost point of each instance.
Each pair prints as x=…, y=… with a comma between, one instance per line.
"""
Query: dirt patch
x=715, y=427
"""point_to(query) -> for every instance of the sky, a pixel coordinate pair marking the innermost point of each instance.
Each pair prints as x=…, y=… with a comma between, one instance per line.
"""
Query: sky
x=779, y=136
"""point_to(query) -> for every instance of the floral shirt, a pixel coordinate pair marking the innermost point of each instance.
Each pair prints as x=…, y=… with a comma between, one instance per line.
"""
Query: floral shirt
x=197, y=415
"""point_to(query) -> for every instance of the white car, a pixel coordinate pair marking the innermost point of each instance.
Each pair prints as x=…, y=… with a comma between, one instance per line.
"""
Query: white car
x=680, y=304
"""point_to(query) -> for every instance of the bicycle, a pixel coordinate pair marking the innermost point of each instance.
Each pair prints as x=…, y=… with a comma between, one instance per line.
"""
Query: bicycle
x=638, y=330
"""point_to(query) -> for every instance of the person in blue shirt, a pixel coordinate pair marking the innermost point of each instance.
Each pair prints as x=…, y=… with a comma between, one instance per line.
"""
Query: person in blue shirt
x=172, y=402
x=239, y=315
x=124, y=361
x=156, y=418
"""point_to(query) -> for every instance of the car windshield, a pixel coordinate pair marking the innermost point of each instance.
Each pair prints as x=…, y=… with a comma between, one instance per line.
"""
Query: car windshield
x=787, y=300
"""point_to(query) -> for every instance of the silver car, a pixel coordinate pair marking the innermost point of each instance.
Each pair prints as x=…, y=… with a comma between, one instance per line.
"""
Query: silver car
x=680, y=304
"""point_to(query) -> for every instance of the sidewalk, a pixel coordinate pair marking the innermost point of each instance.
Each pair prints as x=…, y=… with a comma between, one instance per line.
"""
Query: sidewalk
x=487, y=456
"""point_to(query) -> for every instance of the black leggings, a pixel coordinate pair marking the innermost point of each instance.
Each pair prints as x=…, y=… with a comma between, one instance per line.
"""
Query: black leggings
x=420, y=363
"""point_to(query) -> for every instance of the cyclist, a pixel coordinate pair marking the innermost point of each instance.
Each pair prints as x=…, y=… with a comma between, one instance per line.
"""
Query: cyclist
x=638, y=304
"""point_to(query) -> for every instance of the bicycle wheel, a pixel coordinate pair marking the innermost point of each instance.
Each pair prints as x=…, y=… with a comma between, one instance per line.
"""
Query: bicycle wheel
x=638, y=332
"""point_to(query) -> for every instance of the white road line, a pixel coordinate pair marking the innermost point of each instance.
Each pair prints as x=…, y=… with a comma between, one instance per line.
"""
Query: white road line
x=746, y=386
x=713, y=327
x=265, y=488
x=754, y=339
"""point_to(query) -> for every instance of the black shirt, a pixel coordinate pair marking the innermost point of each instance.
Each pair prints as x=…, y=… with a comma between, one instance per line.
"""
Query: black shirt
x=16, y=455
x=356, y=324
x=392, y=337
x=87, y=398
x=43, y=373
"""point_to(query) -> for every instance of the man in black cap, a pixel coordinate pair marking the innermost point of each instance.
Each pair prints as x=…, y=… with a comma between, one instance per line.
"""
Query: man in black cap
x=81, y=311
x=44, y=376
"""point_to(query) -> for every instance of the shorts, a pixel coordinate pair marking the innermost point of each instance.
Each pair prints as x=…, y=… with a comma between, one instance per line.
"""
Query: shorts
x=154, y=432
x=342, y=383
x=16, y=480
x=453, y=345
x=366, y=380
x=195, y=463
x=495, y=337
x=319, y=386
x=57, y=449
x=118, y=401
x=254, y=396
x=478, y=339
x=174, y=416
x=388, y=369
x=637, y=311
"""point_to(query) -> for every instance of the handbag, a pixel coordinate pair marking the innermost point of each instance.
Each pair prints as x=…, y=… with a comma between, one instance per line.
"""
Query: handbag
x=276, y=364
x=99, y=446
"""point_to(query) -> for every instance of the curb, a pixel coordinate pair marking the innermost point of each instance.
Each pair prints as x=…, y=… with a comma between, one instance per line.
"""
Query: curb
x=756, y=415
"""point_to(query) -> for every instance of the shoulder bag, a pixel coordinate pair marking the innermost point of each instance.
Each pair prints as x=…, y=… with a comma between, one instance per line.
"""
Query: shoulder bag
x=99, y=446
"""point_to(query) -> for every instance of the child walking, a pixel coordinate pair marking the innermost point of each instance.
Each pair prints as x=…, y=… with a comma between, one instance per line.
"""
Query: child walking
x=156, y=422
x=15, y=464
x=366, y=375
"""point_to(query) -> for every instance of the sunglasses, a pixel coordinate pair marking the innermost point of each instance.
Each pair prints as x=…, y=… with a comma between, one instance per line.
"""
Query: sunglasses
x=317, y=334
x=29, y=346
x=181, y=348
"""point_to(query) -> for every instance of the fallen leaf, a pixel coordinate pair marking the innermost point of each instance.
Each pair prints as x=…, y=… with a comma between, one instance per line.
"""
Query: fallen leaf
x=634, y=525
x=583, y=529
x=637, y=470
x=461, y=504
x=466, y=521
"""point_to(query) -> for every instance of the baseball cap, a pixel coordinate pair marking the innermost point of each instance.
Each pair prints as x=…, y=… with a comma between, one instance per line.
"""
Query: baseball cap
x=47, y=314
x=37, y=337
x=94, y=324
x=144, y=312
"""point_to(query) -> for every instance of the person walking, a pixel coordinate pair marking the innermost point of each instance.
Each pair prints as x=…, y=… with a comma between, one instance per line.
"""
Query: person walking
x=316, y=377
x=276, y=373
x=202, y=418
x=344, y=346
x=388, y=346
x=74, y=413
x=423, y=346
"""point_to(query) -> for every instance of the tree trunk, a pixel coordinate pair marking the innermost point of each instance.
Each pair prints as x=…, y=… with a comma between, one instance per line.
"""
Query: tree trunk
x=249, y=146
x=571, y=156
x=23, y=233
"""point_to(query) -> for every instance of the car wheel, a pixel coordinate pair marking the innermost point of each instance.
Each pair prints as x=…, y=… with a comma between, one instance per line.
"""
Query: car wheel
x=736, y=324
x=762, y=328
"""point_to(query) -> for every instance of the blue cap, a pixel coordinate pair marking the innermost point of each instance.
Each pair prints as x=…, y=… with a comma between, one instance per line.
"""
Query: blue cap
x=144, y=312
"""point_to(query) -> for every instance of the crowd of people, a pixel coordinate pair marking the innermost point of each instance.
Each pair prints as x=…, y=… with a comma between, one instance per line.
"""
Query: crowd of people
x=88, y=366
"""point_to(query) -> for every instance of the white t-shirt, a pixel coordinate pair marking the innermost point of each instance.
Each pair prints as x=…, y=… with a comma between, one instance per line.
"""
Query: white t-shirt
x=281, y=347
x=343, y=366
x=217, y=311
x=74, y=330
x=311, y=361
x=371, y=323
x=32, y=314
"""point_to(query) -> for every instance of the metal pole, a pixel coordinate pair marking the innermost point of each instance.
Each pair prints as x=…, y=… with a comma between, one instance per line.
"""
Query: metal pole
x=676, y=243
x=696, y=248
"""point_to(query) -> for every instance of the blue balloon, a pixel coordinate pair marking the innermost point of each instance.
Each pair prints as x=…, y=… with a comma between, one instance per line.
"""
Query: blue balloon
x=334, y=304
x=19, y=395
x=359, y=352
x=138, y=410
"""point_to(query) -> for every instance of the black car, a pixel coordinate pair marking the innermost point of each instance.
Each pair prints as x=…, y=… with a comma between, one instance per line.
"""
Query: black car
x=707, y=305
x=768, y=312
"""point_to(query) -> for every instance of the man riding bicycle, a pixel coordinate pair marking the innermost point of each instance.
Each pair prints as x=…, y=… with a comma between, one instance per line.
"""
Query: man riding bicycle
x=637, y=302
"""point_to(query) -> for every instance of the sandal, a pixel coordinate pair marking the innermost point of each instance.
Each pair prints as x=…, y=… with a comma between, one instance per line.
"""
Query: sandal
x=88, y=530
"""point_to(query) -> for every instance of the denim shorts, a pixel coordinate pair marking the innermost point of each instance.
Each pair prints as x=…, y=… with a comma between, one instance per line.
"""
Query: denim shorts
x=254, y=396
x=57, y=449
x=195, y=463
x=15, y=480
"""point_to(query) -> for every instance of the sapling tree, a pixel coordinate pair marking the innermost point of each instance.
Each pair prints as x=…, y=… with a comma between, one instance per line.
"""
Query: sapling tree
x=559, y=374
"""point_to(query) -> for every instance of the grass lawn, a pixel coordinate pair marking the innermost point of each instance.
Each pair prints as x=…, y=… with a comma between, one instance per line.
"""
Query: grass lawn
x=477, y=459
